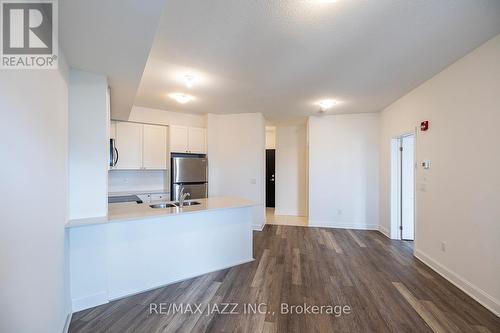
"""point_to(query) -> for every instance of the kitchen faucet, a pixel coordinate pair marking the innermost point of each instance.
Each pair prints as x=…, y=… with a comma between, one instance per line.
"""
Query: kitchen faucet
x=182, y=197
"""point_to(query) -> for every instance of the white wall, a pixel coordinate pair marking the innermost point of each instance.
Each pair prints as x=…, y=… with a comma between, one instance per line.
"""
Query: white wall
x=34, y=293
x=458, y=197
x=162, y=117
x=270, y=137
x=291, y=168
x=343, y=171
x=236, y=155
x=88, y=145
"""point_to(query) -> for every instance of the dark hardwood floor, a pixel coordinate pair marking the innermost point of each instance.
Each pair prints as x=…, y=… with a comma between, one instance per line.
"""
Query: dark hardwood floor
x=386, y=288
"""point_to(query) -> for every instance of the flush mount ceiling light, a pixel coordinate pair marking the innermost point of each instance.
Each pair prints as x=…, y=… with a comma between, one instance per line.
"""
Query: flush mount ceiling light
x=181, y=98
x=189, y=80
x=326, y=104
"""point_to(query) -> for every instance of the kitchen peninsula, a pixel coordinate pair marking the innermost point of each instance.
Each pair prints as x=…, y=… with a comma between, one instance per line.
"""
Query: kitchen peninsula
x=137, y=247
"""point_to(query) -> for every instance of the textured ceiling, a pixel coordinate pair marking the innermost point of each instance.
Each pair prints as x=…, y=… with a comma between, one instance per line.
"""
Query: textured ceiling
x=279, y=57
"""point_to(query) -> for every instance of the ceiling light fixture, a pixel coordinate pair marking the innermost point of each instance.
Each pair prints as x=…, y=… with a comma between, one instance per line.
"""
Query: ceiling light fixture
x=326, y=104
x=189, y=80
x=181, y=98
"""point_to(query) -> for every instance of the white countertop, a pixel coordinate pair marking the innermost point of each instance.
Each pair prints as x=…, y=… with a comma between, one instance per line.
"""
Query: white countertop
x=127, y=211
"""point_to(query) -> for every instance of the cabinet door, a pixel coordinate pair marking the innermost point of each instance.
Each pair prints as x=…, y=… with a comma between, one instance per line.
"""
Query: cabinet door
x=154, y=154
x=129, y=145
x=178, y=139
x=112, y=129
x=196, y=141
x=160, y=197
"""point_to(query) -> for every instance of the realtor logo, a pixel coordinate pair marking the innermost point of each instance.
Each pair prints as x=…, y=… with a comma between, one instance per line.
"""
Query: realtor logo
x=29, y=34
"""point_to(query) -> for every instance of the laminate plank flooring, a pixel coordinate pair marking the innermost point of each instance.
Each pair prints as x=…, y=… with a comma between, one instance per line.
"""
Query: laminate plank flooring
x=384, y=286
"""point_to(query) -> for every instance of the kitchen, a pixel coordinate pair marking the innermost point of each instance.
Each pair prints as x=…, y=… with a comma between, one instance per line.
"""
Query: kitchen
x=158, y=209
x=153, y=158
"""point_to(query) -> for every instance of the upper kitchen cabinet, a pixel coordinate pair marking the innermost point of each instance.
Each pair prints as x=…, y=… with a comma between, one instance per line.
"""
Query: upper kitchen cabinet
x=178, y=139
x=141, y=146
x=196, y=140
x=187, y=140
x=154, y=154
x=129, y=145
x=112, y=130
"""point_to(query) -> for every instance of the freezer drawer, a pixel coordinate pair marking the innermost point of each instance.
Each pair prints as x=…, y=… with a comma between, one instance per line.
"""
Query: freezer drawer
x=197, y=191
x=189, y=170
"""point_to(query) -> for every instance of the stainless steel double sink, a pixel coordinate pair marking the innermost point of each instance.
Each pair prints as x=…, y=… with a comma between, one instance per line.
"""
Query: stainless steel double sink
x=174, y=204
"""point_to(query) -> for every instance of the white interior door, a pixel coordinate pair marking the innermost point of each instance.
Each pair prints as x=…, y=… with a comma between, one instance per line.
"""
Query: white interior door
x=407, y=187
x=129, y=145
x=154, y=147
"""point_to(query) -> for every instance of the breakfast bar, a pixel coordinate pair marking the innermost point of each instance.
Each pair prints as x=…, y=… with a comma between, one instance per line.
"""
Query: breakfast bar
x=139, y=247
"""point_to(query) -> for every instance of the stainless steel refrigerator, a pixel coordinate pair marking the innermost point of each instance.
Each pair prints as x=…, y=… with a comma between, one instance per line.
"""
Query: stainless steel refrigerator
x=191, y=173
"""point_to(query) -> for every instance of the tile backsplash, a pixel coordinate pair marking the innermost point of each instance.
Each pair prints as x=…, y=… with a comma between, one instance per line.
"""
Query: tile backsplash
x=138, y=180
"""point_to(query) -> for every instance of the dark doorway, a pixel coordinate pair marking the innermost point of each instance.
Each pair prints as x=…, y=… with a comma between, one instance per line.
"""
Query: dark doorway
x=270, y=171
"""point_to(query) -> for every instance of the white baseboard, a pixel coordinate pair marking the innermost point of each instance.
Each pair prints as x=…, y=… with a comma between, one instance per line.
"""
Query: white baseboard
x=384, y=231
x=340, y=225
x=67, y=322
x=83, y=303
x=470, y=289
x=257, y=227
x=288, y=213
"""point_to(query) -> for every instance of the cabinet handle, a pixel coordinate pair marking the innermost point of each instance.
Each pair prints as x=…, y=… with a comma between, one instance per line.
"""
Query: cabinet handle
x=116, y=162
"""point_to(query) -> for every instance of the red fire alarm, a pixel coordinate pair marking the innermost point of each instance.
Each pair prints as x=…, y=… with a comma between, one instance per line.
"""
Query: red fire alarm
x=424, y=125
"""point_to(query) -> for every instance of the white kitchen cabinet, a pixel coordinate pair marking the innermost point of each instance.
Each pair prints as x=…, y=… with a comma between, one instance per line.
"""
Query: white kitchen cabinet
x=154, y=197
x=141, y=146
x=129, y=145
x=160, y=197
x=178, y=139
x=112, y=130
x=154, y=155
x=187, y=140
x=196, y=140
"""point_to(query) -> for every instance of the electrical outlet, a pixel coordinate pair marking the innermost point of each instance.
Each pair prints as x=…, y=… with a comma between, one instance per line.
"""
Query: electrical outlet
x=443, y=246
